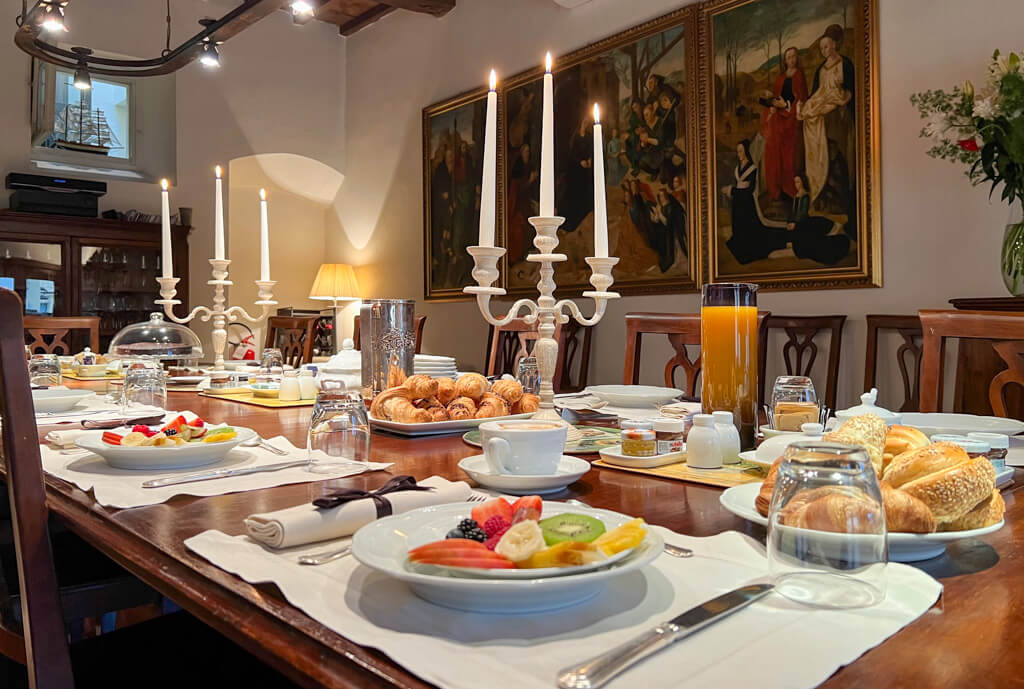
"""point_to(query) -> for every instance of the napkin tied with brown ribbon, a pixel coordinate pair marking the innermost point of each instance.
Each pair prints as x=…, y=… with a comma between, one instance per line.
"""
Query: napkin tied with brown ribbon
x=383, y=505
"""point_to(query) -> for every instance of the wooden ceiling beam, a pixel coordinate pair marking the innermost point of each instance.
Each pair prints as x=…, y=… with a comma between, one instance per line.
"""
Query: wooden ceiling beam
x=365, y=19
x=438, y=8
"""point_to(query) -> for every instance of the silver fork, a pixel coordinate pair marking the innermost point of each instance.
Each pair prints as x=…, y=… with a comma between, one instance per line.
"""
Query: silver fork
x=332, y=555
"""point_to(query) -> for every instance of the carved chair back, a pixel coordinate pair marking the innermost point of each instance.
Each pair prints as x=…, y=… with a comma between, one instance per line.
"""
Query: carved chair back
x=800, y=351
x=294, y=336
x=50, y=334
x=908, y=355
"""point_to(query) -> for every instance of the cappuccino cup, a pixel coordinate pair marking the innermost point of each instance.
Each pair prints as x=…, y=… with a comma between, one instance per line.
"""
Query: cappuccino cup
x=523, y=447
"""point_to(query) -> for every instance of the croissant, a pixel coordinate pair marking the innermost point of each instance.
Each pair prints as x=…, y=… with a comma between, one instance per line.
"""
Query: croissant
x=377, y=407
x=421, y=386
x=509, y=390
x=403, y=411
x=905, y=513
x=833, y=509
x=471, y=385
x=764, y=498
x=396, y=376
x=461, y=408
x=899, y=439
x=445, y=390
x=527, y=403
x=492, y=406
x=433, y=407
x=986, y=513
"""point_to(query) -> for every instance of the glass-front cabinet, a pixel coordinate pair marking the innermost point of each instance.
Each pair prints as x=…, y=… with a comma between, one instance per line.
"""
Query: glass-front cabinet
x=67, y=266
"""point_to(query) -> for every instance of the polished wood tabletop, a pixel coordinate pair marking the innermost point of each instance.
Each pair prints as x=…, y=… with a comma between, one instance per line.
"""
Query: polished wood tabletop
x=971, y=637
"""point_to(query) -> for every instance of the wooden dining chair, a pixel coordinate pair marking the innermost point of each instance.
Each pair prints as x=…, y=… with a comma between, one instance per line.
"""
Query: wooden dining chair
x=294, y=336
x=507, y=344
x=799, y=352
x=136, y=655
x=420, y=322
x=683, y=331
x=909, y=328
x=1004, y=329
x=50, y=334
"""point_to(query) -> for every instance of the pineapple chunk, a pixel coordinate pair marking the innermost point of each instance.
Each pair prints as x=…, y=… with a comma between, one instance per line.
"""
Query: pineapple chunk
x=564, y=554
x=624, y=537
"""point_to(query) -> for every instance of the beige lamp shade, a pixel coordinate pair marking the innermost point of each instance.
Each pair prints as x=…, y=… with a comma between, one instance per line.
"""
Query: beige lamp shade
x=335, y=281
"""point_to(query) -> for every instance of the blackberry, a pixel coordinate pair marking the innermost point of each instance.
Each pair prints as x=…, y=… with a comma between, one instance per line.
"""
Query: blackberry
x=455, y=533
x=471, y=530
x=171, y=431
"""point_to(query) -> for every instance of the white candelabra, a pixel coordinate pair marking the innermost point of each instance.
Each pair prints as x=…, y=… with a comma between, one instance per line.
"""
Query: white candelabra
x=545, y=311
x=219, y=314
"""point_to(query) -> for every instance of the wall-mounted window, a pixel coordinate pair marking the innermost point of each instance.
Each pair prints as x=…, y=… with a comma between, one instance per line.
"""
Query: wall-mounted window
x=96, y=120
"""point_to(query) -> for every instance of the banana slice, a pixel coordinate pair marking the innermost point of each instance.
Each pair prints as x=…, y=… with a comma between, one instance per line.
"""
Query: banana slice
x=521, y=541
x=133, y=439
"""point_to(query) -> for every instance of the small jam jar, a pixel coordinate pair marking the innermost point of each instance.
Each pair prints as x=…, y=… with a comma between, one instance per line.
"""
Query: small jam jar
x=638, y=439
x=668, y=435
x=999, y=444
x=972, y=446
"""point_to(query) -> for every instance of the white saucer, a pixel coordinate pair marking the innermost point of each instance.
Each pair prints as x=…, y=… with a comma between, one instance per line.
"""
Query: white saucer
x=570, y=470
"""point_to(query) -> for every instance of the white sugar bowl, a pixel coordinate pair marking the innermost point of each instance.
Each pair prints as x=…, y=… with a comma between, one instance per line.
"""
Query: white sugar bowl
x=867, y=406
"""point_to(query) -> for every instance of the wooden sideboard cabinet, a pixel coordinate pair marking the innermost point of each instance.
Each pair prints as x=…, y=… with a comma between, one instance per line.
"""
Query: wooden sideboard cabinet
x=104, y=268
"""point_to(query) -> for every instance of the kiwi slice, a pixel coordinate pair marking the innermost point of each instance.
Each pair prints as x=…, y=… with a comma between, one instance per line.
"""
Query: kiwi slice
x=570, y=527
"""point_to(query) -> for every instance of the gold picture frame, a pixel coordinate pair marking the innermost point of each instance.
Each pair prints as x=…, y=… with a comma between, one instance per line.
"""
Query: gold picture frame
x=740, y=95
x=655, y=41
x=448, y=229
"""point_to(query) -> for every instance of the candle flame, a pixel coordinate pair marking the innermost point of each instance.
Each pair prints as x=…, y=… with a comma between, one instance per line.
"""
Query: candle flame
x=597, y=114
x=547, y=62
x=217, y=170
x=494, y=79
x=263, y=194
x=163, y=184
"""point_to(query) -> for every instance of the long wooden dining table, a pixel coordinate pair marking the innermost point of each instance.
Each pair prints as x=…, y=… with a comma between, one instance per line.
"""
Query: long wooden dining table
x=971, y=637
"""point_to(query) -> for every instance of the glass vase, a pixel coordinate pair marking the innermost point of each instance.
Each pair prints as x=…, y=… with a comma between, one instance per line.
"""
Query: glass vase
x=1011, y=258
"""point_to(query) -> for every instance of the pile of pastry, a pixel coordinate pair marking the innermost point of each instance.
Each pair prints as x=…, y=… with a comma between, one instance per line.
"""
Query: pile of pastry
x=926, y=486
x=422, y=399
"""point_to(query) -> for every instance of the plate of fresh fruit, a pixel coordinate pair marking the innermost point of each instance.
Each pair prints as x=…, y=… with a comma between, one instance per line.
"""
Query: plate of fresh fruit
x=182, y=443
x=507, y=557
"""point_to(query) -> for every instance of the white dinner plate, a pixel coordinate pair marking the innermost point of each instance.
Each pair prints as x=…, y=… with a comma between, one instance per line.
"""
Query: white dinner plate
x=185, y=456
x=433, y=358
x=57, y=400
x=961, y=424
x=186, y=380
x=439, y=427
x=633, y=395
x=570, y=470
x=903, y=547
x=751, y=456
x=384, y=544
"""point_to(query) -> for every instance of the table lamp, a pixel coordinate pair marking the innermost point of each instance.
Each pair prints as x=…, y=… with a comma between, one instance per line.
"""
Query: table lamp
x=335, y=282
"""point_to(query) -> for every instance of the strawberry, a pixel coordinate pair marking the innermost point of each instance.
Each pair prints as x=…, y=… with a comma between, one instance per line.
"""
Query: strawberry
x=496, y=525
x=197, y=423
x=111, y=438
x=527, y=507
x=492, y=542
x=144, y=430
x=174, y=425
x=496, y=507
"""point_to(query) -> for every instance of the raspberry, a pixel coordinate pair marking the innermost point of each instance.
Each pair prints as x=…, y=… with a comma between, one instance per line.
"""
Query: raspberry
x=492, y=542
x=496, y=525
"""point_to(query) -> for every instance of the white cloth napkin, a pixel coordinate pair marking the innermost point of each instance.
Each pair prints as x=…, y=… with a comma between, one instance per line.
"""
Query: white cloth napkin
x=95, y=408
x=122, y=488
x=64, y=439
x=773, y=644
x=307, y=523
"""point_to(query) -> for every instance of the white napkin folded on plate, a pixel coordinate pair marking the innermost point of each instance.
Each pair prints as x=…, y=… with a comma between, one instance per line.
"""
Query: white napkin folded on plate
x=307, y=523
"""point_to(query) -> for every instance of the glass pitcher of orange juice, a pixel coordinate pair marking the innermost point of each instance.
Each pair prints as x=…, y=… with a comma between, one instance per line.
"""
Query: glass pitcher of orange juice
x=728, y=351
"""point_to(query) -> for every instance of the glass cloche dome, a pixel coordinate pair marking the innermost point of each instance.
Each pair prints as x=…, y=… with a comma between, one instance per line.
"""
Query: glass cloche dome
x=169, y=342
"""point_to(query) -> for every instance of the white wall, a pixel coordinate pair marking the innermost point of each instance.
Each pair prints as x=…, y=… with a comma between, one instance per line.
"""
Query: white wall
x=940, y=237
x=280, y=90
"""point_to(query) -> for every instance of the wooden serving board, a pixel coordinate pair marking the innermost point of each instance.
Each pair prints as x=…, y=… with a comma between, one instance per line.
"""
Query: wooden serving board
x=728, y=476
x=249, y=398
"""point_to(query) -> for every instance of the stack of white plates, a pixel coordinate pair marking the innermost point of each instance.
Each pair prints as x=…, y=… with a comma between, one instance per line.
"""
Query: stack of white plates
x=434, y=366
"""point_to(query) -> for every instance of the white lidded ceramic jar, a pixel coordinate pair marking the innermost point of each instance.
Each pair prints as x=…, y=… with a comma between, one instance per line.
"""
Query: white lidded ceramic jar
x=867, y=406
x=346, y=367
x=728, y=437
x=703, y=449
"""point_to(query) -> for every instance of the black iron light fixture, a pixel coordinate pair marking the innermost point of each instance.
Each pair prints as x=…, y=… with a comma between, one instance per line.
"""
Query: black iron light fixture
x=46, y=17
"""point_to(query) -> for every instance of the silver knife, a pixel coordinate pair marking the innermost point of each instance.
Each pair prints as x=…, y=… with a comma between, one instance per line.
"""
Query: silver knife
x=220, y=473
x=599, y=670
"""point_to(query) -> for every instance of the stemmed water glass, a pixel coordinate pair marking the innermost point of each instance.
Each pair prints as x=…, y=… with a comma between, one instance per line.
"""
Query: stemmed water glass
x=339, y=428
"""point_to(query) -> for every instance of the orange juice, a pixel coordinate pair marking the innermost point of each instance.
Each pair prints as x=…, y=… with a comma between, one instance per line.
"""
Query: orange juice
x=728, y=352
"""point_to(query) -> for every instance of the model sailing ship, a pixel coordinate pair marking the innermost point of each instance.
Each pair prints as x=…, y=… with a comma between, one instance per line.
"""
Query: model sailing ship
x=79, y=128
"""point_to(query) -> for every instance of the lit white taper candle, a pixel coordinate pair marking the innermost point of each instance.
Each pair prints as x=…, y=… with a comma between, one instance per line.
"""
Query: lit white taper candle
x=165, y=230
x=547, y=145
x=218, y=218
x=264, y=238
x=600, y=207
x=487, y=185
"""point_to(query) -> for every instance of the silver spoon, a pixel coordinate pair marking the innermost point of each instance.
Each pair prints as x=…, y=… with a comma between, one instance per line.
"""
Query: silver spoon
x=324, y=558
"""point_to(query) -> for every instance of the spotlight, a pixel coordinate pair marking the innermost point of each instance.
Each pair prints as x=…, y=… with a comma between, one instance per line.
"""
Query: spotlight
x=211, y=56
x=83, y=82
x=303, y=10
x=52, y=15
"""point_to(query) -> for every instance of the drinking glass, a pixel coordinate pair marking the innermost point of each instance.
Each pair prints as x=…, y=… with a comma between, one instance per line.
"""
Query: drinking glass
x=339, y=428
x=794, y=403
x=528, y=374
x=271, y=359
x=728, y=333
x=144, y=386
x=826, y=527
x=44, y=370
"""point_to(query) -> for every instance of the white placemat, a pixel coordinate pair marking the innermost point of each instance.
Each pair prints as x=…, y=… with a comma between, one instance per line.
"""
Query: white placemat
x=774, y=644
x=120, y=488
x=95, y=408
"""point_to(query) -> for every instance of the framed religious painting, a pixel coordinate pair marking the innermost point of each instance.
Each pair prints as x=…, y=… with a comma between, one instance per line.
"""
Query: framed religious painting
x=643, y=81
x=789, y=142
x=453, y=151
